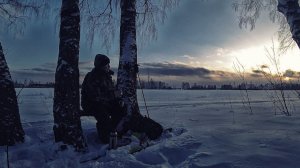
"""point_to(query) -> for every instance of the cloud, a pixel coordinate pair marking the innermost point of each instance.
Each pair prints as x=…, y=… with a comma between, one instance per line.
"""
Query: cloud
x=181, y=70
x=257, y=73
x=173, y=70
x=211, y=38
x=265, y=74
x=86, y=66
x=42, y=70
x=46, y=71
x=42, y=76
x=291, y=74
x=82, y=65
x=189, y=57
x=174, y=73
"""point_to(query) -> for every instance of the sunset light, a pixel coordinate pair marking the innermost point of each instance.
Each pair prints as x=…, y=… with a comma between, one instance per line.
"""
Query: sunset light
x=150, y=83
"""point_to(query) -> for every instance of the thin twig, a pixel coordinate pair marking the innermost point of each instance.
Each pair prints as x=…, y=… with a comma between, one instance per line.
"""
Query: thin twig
x=143, y=95
x=240, y=70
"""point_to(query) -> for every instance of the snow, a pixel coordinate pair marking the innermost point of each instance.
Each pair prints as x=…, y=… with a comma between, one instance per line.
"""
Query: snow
x=62, y=64
x=212, y=130
x=65, y=64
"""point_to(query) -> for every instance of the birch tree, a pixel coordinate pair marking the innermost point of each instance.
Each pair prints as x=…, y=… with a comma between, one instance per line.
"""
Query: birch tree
x=127, y=71
x=67, y=125
x=13, y=14
x=284, y=12
x=128, y=66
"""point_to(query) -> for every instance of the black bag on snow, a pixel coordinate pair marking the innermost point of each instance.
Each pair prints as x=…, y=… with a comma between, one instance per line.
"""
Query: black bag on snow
x=150, y=127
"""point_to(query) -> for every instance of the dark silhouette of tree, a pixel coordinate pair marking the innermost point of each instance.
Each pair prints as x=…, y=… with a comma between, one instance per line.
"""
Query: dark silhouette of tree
x=67, y=125
x=13, y=14
x=11, y=130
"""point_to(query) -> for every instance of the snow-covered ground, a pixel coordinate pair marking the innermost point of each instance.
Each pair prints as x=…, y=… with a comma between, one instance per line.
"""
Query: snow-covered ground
x=212, y=129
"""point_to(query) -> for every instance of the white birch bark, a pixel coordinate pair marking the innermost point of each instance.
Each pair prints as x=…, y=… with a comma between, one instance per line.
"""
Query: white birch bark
x=127, y=71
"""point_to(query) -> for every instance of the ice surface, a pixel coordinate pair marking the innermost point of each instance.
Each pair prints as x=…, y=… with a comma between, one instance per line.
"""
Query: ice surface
x=213, y=130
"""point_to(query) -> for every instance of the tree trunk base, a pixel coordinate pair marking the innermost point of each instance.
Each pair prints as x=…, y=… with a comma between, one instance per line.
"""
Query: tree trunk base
x=71, y=136
x=11, y=137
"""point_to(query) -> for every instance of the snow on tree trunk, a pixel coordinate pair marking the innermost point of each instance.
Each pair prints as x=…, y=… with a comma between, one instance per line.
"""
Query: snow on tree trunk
x=67, y=125
x=11, y=130
x=127, y=71
x=291, y=10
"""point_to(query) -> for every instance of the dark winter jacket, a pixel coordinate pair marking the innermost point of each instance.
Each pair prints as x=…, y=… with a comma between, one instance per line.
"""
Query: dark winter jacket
x=97, y=90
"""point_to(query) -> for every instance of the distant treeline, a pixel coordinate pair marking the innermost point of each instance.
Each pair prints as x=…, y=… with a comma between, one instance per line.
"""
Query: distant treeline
x=242, y=86
x=185, y=86
x=33, y=84
x=268, y=86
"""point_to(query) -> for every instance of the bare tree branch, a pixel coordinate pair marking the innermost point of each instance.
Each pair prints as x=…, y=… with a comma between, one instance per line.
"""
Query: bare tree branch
x=15, y=13
x=249, y=12
x=102, y=19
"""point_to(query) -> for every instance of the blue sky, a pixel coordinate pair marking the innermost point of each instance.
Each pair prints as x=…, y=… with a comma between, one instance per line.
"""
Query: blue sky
x=198, y=36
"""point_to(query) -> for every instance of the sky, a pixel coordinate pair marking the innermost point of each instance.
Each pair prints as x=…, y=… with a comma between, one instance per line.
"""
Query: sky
x=198, y=42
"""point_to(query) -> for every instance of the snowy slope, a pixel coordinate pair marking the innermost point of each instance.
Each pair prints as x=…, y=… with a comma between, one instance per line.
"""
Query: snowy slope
x=212, y=130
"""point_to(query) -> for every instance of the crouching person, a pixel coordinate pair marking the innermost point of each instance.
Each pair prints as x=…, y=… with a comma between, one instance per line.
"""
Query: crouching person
x=100, y=99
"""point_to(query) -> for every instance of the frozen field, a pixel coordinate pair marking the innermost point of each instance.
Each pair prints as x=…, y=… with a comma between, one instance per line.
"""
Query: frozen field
x=213, y=129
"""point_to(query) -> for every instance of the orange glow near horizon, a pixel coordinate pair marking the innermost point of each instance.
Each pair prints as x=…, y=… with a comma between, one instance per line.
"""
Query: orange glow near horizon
x=251, y=58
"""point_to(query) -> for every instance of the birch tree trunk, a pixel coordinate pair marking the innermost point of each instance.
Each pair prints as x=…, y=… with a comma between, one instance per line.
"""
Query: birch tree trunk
x=127, y=71
x=67, y=125
x=291, y=10
x=11, y=130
